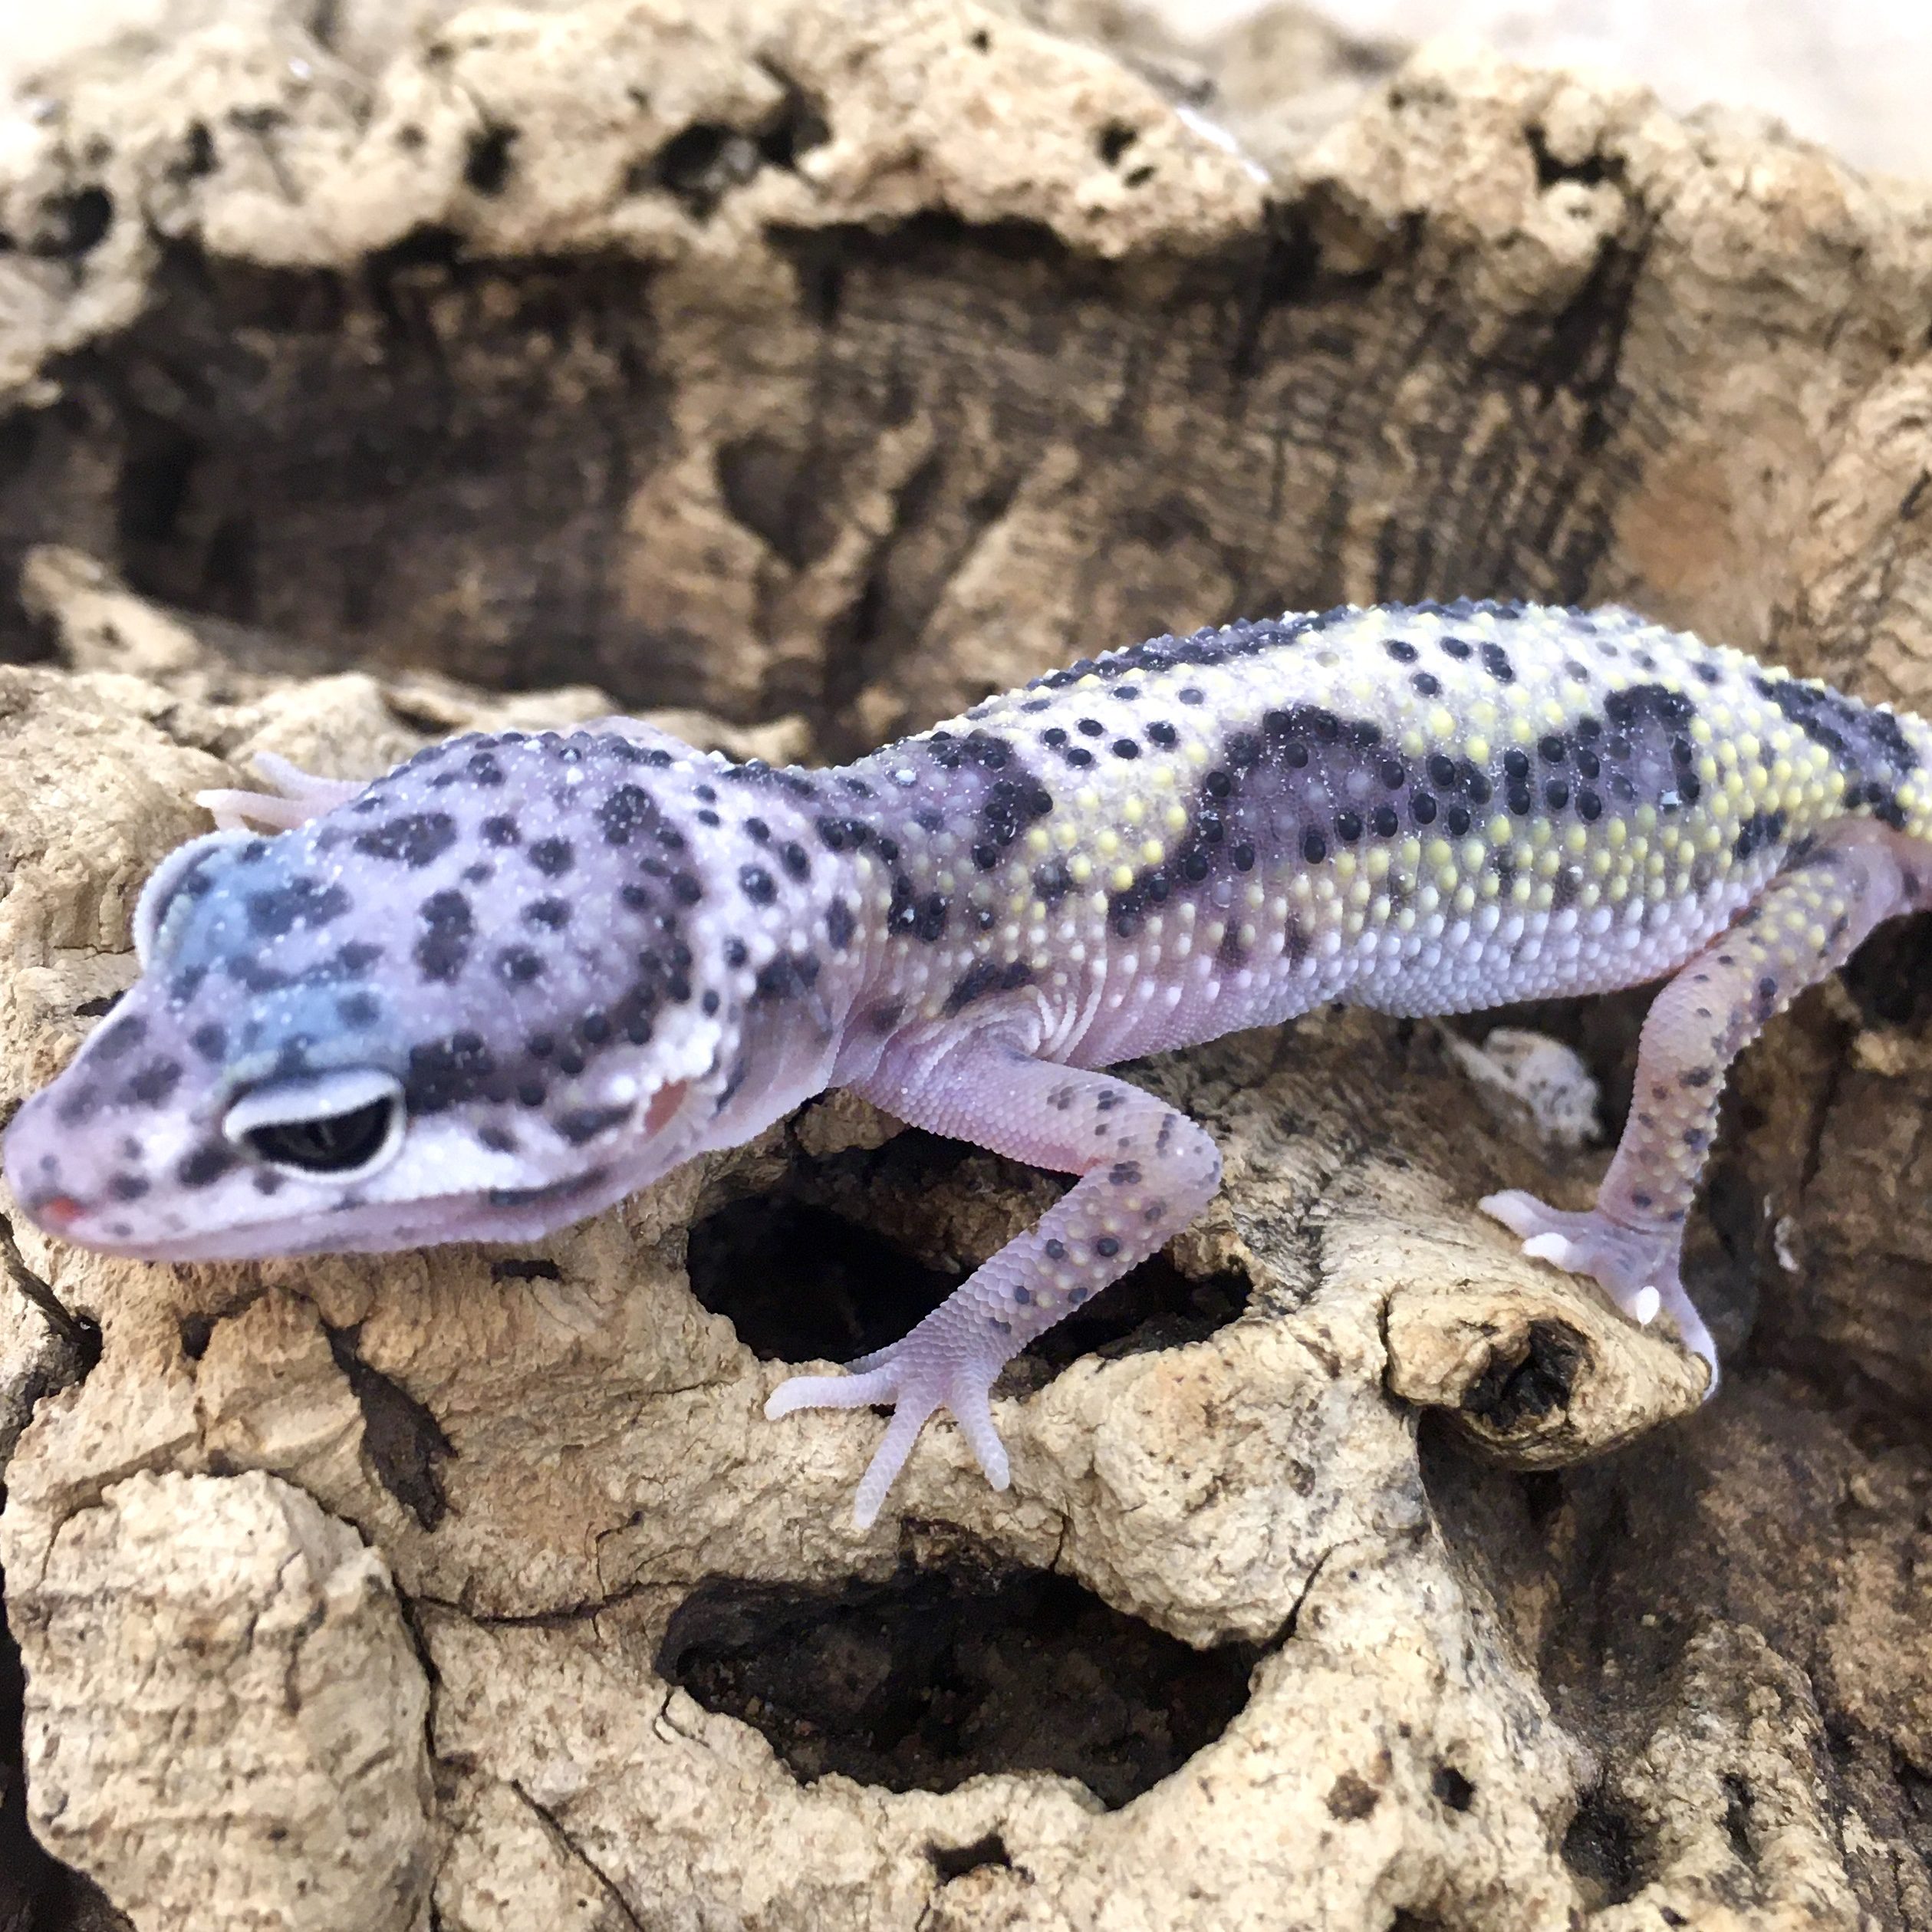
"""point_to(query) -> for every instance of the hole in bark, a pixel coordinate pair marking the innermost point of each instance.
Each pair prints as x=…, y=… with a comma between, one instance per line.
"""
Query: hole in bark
x=76, y=224
x=406, y=1443
x=1738, y=1806
x=1113, y=141
x=534, y=1268
x=952, y=1862
x=1542, y=1495
x=486, y=167
x=197, y=157
x=196, y=1331
x=1890, y=976
x=798, y=126
x=1452, y=1789
x=922, y=1682
x=748, y=1261
x=1511, y=1392
x=1601, y=1848
x=100, y=1008
x=699, y=166
x=1589, y=171
x=156, y=475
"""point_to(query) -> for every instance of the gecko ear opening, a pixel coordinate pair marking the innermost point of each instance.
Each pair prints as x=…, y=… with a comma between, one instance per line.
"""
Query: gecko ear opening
x=664, y=1104
x=343, y=1125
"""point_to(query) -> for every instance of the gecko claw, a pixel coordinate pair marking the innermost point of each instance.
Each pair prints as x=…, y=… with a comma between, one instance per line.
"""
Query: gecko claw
x=1637, y=1270
x=918, y=1382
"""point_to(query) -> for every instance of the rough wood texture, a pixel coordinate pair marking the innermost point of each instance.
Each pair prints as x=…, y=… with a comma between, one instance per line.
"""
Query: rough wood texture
x=823, y=366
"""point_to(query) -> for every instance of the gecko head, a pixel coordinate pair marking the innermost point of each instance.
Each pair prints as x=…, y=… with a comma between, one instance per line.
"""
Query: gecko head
x=479, y=1001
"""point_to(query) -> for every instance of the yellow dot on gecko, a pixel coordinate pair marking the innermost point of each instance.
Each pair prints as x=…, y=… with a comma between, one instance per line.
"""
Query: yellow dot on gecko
x=1134, y=811
x=1080, y=868
x=1121, y=877
x=1039, y=840
x=1106, y=842
x=1152, y=852
x=1377, y=863
x=1442, y=724
x=1175, y=818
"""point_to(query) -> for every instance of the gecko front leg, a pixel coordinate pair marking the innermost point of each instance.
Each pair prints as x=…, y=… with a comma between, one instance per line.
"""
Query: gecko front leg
x=1807, y=922
x=298, y=796
x=1146, y=1171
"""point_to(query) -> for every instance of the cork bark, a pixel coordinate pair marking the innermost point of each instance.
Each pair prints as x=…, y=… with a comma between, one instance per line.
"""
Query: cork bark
x=794, y=373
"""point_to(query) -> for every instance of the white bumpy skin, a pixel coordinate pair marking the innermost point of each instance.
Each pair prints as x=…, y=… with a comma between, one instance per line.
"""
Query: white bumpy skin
x=520, y=976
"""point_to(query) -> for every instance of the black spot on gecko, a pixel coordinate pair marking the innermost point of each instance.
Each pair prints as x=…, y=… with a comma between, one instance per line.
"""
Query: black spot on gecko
x=154, y=1082
x=553, y=915
x=786, y=975
x=840, y=924
x=446, y=1073
x=517, y=965
x=987, y=976
x=757, y=884
x=499, y=830
x=210, y=1040
x=416, y=838
x=302, y=901
x=205, y=1165
x=551, y=857
x=443, y=950
x=1761, y=829
x=1496, y=661
x=120, y=1037
x=1427, y=683
x=628, y=810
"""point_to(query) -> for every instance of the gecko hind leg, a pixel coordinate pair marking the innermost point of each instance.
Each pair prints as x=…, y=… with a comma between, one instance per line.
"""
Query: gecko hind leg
x=1806, y=923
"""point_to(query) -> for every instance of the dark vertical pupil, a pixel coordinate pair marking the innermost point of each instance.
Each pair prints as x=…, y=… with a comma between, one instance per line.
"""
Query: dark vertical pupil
x=327, y=1145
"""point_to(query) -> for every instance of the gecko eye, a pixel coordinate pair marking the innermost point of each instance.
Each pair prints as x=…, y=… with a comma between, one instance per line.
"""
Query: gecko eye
x=344, y=1125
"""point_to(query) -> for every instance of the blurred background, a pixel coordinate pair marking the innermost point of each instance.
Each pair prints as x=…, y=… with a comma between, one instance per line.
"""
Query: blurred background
x=1856, y=75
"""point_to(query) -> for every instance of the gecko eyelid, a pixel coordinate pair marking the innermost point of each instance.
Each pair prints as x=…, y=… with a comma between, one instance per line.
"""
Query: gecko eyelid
x=344, y=1125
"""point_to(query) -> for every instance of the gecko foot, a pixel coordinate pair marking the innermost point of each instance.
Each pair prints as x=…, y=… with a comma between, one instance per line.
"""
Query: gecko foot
x=1638, y=1271
x=919, y=1375
x=298, y=796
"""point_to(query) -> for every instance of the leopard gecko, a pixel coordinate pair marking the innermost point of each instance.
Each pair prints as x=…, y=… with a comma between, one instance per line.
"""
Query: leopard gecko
x=526, y=973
